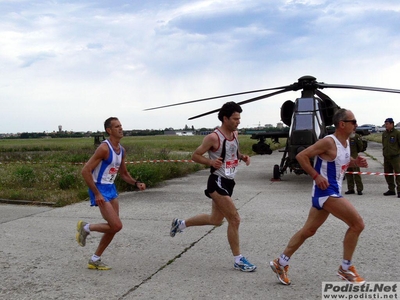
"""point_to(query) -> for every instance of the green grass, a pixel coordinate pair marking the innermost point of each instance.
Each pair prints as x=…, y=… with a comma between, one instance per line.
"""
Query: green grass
x=49, y=170
x=374, y=137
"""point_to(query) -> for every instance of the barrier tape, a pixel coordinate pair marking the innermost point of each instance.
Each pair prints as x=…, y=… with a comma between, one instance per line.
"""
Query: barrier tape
x=373, y=173
x=82, y=163
x=161, y=161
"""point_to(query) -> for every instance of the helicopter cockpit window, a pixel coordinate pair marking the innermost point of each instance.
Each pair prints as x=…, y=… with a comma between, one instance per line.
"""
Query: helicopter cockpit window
x=306, y=104
x=304, y=121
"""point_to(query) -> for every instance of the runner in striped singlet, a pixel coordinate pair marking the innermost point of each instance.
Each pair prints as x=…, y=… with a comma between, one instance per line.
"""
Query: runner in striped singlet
x=332, y=157
x=223, y=150
x=99, y=174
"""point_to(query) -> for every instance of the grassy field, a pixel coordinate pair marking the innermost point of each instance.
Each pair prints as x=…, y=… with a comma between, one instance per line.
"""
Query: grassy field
x=48, y=170
x=374, y=137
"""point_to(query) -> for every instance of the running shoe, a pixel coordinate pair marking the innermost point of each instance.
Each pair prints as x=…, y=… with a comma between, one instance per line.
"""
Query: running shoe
x=350, y=275
x=280, y=271
x=81, y=235
x=98, y=265
x=175, y=227
x=244, y=265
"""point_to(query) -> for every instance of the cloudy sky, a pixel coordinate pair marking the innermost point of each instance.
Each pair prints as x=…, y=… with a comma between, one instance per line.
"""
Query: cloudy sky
x=75, y=63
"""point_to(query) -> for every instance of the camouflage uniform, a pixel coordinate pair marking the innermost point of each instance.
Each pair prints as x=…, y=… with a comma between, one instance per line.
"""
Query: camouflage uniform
x=391, y=157
x=356, y=146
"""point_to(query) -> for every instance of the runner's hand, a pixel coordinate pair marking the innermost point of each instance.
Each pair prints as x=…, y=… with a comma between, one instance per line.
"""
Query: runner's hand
x=217, y=163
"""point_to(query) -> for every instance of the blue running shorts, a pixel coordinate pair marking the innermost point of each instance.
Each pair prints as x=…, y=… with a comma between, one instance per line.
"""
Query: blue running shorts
x=318, y=202
x=109, y=192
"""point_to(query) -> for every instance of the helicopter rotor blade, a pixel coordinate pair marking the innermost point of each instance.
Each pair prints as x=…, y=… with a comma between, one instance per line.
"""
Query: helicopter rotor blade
x=216, y=97
x=286, y=89
x=357, y=87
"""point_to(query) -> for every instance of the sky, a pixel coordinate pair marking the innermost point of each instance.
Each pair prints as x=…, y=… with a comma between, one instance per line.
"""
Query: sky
x=76, y=63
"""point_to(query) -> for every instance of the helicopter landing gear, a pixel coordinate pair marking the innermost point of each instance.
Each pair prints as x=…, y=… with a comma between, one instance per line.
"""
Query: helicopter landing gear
x=276, y=174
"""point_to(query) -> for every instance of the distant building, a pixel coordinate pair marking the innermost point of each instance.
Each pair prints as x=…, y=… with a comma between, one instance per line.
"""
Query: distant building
x=185, y=132
x=179, y=132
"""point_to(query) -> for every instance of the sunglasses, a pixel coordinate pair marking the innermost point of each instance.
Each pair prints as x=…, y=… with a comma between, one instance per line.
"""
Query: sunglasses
x=354, y=122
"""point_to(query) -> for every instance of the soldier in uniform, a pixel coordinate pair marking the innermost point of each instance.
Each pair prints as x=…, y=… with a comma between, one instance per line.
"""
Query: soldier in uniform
x=356, y=146
x=391, y=157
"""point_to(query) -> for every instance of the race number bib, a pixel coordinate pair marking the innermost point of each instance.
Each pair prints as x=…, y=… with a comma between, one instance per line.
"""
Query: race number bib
x=230, y=167
x=112, y=174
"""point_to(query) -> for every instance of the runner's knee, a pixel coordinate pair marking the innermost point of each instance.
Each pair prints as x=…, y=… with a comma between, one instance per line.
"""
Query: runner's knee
x=309, y=232
x=235, y=220
x=116, y=227
x=358, y=226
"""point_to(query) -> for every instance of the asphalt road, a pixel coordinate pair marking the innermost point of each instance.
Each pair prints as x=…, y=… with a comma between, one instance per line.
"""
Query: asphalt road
x=40, y=259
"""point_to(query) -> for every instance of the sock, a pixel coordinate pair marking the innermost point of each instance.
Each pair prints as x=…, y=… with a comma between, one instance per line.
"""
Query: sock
x=237, y=258
x=86, y=228
x=346, y=264
x=284, y=260
x=95, y=257
x=182, y=225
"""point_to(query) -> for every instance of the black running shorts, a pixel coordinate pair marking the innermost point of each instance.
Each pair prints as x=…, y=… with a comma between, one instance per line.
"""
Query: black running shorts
x=221, y=185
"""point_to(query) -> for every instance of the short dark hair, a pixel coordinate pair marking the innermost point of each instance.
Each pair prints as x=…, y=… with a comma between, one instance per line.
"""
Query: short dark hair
x=107, y=123
x=340, y=115
x=228, y=109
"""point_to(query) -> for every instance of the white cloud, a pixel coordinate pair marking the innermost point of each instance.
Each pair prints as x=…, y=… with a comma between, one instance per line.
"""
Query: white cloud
x=75, y=63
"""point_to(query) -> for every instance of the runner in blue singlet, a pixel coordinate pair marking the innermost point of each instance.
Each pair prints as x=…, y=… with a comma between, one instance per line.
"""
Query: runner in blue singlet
x=332, y=157
x=99, y=174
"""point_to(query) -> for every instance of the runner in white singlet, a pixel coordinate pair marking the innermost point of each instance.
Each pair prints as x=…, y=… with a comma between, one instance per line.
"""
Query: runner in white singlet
x=333, y=171
x=224, y=155
x=332, y=158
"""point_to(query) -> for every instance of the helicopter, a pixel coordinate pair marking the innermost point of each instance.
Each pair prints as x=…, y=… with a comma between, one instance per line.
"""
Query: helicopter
x=309, y=119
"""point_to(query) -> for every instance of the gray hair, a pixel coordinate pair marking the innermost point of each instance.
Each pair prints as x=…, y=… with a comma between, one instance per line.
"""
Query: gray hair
x=340, y=115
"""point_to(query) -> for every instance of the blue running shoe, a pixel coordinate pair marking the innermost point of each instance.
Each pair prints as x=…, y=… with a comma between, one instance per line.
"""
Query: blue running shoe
x=244, y=265
x=175, y=227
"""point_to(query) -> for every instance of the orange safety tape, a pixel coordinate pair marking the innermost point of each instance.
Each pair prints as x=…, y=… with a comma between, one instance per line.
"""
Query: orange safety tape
x=373, y=173
x=160, y=161
x=82, y=163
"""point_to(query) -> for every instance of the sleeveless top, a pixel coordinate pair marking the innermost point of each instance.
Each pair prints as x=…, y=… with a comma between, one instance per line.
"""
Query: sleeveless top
x=107, y=170
x=228, y=150
x=333, y=171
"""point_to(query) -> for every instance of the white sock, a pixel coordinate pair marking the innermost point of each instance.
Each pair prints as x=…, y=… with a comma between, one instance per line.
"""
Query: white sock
x=182, y=225
x=284, y=260
x=346, y=264
x=95, y=257
x=86, y=228
x=237, y=258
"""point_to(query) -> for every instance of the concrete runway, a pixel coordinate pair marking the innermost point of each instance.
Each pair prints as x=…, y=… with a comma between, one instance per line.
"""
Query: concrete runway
x=40, y=259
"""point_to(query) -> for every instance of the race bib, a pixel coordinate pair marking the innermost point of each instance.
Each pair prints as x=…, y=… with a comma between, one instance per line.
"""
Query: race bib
x=112, y=174
x=230, y=167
